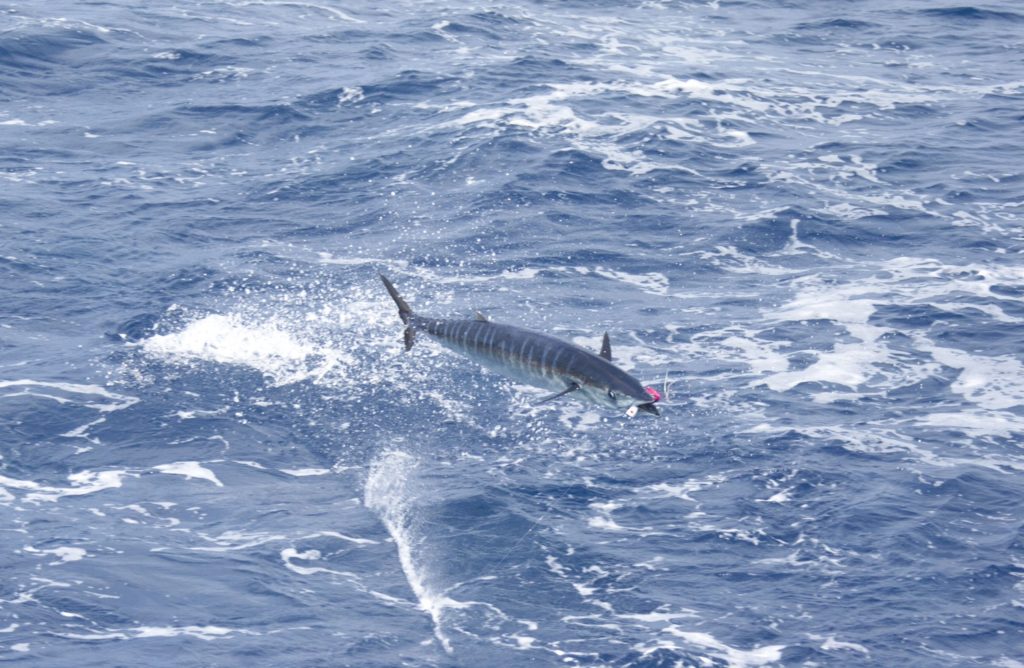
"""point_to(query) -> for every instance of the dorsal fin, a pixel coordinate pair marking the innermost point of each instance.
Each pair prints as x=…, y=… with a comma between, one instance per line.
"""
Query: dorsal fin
x=481, y=317
x=606, y=348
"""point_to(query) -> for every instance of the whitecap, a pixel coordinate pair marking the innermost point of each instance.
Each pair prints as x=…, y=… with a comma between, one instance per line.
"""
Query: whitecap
x=190, y=470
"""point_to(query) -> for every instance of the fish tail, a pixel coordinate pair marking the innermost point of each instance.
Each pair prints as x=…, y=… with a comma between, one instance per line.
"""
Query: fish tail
x=404, y=312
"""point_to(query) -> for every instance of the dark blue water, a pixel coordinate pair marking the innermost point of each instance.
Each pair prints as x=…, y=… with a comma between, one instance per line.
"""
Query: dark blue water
x=805, y=219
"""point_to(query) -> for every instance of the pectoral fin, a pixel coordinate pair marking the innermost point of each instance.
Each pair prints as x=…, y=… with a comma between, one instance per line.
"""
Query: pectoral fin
x=572, y=388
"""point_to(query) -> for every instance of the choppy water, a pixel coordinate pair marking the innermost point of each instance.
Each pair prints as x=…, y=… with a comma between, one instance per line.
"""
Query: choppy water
x=806, y=217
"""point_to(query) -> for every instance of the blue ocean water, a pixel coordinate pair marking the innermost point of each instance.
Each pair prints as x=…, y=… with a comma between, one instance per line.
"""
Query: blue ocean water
x=803, y=219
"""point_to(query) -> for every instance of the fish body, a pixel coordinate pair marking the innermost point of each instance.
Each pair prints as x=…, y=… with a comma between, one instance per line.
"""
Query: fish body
x=533, y=358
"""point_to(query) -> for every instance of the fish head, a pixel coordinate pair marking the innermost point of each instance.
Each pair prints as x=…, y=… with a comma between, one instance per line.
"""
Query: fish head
x=647, y=406
x=630, y=399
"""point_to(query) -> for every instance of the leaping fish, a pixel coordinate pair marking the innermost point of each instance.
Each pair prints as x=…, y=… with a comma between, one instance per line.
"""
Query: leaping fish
x=534, y=358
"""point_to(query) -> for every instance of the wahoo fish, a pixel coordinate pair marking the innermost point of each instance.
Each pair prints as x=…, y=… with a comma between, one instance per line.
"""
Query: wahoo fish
x=534, y=358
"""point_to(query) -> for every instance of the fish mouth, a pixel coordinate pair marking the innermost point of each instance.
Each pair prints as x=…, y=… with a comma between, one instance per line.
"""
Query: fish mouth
x=649, y=407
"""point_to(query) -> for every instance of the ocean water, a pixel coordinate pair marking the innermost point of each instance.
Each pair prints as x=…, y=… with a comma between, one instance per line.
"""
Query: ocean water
x=803, y=219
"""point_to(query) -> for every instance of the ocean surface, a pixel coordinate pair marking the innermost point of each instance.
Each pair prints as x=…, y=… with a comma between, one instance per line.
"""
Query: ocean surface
x=804, y=220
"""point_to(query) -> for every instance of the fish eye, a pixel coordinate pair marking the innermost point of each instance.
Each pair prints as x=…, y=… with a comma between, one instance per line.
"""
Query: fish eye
x=611, y=395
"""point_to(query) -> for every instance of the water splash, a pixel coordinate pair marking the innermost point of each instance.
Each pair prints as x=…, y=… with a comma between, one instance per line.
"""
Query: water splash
x=229, y=339
x=390, y=492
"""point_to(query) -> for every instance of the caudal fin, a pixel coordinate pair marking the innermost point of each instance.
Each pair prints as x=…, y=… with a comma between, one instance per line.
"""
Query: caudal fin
x=404, y=312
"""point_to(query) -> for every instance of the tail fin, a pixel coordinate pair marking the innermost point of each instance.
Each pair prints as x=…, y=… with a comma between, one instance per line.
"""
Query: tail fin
x=404, y=312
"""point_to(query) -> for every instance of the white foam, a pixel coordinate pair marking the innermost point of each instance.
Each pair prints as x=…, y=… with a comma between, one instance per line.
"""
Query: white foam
x=850, y=365
x=523, y=642
x=976, y=422
x=190, y=470
x=869, y=364
x=91, y=482
x=831, y=644
x=732, y=656
x=225, y=73
x=341, y=536
x=350, y=94
x=237, y=540
x=799, y=559
x=63, y=554
x=208, y=632
x=684, y=490
x=521, y=274
x=759, y=656
x=654, y=282
x=227, y=339
x=733, y=92
x=729, y=258
x=331, y=12
x=992, y=382
x=603, y=520
x=82, y=483
x=67, y=393
x=752, y=536
x=657, y=617
x=779, y=497
x=302, y=473
x=390, y=493
x=552, y=113
x=1007, y=662
x=760, y=356
x=577, y=416
x=91, y=397
x=348, y=261
x=290, y=554
x=874, y=439
x=555, y=566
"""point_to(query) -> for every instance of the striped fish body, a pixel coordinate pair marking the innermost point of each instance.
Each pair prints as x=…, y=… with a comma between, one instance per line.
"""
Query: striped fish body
x=531, y=357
